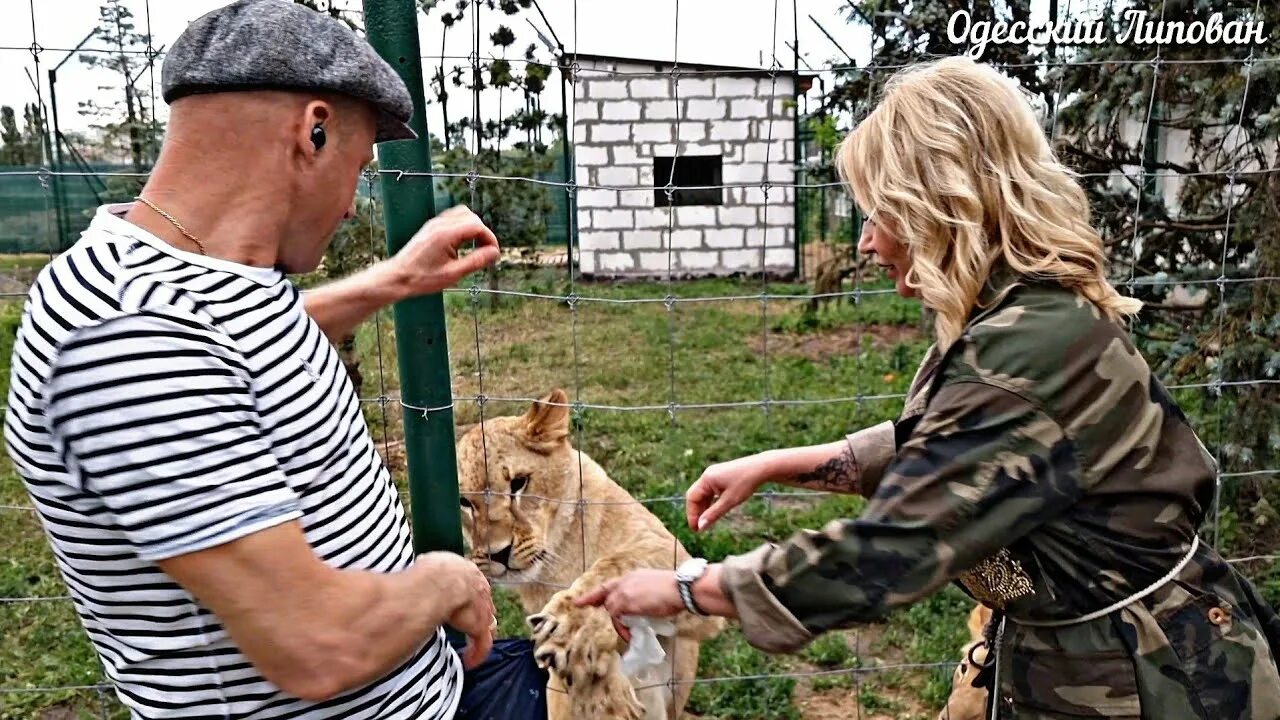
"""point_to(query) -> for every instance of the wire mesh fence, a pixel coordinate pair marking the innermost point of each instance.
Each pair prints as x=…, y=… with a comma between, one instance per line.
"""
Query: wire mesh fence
x=678, y=368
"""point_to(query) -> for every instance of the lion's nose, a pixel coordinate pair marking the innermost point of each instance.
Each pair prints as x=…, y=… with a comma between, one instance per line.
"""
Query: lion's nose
x=502, y=557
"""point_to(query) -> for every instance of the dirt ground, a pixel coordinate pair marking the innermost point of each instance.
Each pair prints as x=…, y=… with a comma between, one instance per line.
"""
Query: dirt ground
x=900, y=699
x=840, y=341
x=842, y=704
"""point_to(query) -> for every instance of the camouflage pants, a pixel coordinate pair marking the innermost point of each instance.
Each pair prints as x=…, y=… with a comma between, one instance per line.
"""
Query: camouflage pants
x=1188, y=654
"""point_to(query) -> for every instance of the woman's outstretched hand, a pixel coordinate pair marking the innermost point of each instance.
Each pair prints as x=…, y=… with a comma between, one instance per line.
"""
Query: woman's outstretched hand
x=724, y=486
x=653, y=593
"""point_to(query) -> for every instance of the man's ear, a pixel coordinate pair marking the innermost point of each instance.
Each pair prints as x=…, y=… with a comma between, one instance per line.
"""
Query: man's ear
x=315, y=114
x=546, y=425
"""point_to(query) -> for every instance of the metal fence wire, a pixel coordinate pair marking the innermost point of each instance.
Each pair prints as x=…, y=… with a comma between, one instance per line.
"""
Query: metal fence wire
x=771, y=298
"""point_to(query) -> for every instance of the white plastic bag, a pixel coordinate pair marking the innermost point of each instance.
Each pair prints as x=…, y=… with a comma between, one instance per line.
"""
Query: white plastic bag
x=645, y=654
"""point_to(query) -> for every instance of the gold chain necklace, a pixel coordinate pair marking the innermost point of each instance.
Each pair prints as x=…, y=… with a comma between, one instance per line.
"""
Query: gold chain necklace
x=176, y=224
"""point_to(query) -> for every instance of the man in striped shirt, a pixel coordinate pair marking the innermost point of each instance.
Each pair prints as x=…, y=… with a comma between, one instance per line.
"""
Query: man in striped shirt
x=231, y=539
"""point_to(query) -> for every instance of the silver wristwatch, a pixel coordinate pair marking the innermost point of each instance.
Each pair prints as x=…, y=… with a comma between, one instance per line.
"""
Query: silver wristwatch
x=686, y=575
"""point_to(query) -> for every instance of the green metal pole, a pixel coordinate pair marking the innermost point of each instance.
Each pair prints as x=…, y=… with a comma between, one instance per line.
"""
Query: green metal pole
x=53, y=179
x=422, y=343
x=59, y=197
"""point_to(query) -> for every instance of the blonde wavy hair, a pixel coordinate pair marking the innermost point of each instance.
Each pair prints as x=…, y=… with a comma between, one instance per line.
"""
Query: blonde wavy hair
x=954, y=164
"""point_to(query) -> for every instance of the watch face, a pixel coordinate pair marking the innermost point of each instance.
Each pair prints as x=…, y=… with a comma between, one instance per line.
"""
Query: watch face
x=691, y=569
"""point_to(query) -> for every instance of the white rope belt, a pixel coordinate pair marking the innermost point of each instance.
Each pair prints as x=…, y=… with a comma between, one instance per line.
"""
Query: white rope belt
x=994, y=657
x=1195, y=544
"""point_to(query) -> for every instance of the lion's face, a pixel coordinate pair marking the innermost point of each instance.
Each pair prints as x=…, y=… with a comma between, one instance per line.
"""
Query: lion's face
x=512, y=483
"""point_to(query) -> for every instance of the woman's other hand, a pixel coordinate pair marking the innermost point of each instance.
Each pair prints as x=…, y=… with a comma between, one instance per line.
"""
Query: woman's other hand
x=653, y=593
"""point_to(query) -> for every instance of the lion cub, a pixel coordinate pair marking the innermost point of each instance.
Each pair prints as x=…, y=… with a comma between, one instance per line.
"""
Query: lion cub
x=522, y=483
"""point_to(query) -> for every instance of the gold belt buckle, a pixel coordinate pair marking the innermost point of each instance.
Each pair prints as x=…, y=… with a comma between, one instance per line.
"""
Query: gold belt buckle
x=998, y=580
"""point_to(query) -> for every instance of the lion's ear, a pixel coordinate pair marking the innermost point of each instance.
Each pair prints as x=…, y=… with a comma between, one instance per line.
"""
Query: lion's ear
x=546, y=425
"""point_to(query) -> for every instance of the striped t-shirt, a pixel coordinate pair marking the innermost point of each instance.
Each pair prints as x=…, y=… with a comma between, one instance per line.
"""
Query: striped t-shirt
x=164, y=402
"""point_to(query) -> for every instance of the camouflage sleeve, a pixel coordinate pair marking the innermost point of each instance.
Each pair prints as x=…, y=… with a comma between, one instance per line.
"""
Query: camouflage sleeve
x=875, y=447
x=872, y=449
x=982, y=468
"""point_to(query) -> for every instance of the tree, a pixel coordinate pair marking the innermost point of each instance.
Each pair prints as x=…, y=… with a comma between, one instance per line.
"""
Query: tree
x=126, y=126
x=907, y=31
x=1196, y=222
x=508, y=143
x=10, y=139
x=25, y=147
x=331, y=10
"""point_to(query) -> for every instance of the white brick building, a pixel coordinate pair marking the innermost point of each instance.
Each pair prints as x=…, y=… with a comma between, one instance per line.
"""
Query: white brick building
x=717, y=126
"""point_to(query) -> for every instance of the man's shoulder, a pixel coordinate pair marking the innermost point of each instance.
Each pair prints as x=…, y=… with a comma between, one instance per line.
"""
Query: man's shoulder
x=84, y=303
x=85, y=291
x=116, y=266
x=113, y=277
x=85, y=283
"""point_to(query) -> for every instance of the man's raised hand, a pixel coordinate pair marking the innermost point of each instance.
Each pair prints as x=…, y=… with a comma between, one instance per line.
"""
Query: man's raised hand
x=432, y=260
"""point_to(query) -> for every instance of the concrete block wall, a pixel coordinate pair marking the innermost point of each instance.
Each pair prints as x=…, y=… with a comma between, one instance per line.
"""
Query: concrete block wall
x=624, y=118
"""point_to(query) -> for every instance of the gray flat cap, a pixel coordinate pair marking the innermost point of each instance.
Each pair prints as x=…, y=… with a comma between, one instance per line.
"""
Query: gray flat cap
x=279, y=45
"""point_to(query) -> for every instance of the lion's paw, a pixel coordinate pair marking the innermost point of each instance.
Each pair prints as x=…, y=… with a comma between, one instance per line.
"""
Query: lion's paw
x=578, y=644
x=614, y=697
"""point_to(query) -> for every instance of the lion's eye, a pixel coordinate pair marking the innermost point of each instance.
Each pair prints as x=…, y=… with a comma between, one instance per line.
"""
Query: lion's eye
x=466, y=504
x=519, y=483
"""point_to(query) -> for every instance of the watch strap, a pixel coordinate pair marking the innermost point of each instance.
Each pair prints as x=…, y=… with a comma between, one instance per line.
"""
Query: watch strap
x=686, y=595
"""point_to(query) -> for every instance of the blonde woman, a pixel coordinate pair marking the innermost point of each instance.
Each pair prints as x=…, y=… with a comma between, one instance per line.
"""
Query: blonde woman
x=1038, y=463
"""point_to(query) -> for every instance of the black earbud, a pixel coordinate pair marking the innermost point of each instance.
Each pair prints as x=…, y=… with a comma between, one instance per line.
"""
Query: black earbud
x=317, y=136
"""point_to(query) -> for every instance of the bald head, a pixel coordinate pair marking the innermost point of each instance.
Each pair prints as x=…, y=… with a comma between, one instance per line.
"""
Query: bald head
x=229, y=122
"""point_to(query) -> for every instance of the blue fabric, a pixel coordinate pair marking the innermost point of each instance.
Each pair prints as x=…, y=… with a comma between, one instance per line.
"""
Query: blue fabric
x=508, y=685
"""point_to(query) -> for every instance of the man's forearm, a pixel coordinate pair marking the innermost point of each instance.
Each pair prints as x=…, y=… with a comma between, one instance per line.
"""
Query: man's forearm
x=360, y=626
x=386, y=619
x=313, y=630
x=340, y=306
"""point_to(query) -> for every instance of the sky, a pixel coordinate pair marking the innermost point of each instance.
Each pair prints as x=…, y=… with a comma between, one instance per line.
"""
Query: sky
x=727, y=32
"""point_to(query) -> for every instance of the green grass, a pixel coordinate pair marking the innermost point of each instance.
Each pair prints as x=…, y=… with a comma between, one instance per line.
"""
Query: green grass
x=729, y=656
x=623, y=357
x=831, y=654
x=42, y=644
x=22, y=261
x=932, y=631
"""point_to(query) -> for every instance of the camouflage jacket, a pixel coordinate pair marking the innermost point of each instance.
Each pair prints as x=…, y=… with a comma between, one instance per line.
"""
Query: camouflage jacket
x=1040, y=465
